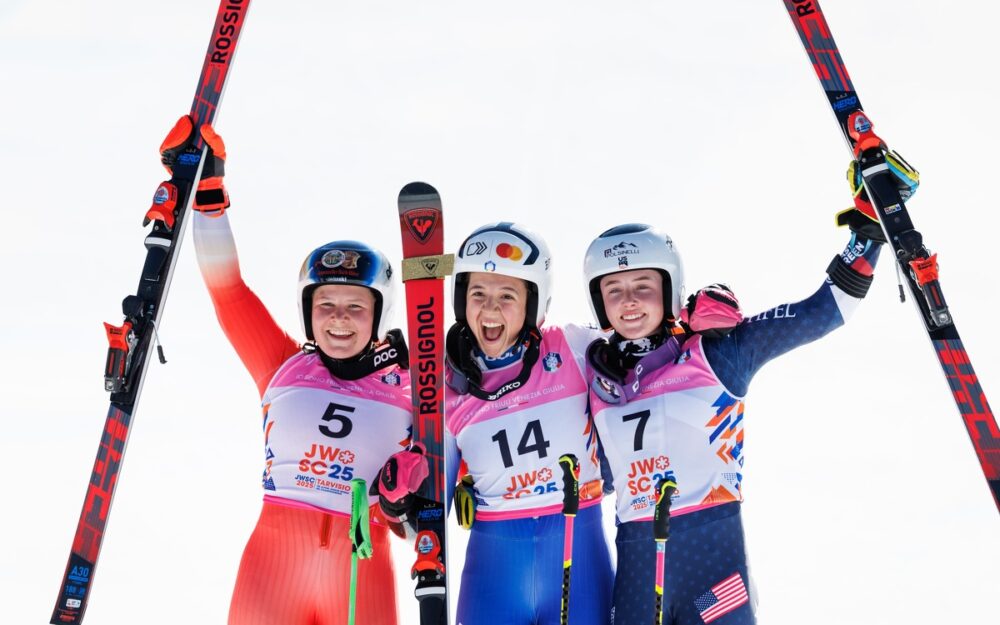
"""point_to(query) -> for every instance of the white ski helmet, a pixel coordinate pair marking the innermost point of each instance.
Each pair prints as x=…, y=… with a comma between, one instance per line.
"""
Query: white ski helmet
x=508, y=249
x=628, y=247
x=348, y=262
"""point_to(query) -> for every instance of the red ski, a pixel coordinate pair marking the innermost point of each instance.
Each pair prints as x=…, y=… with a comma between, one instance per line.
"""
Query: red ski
x=421, y=225
x=915, y=261
x=130, y=345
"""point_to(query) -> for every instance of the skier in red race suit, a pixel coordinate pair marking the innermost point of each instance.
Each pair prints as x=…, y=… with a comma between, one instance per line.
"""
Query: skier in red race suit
x=334, y=408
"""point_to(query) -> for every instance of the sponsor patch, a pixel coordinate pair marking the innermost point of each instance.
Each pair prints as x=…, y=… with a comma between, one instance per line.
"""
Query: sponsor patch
x=348, y=259
x=392, y=379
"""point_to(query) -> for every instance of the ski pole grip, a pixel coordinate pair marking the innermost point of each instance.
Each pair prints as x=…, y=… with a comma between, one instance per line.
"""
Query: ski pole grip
x=661, y=512
x=571, y=484
x=361, y=541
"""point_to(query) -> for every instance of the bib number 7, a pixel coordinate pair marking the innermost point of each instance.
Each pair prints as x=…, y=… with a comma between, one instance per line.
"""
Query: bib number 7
x=640, y=427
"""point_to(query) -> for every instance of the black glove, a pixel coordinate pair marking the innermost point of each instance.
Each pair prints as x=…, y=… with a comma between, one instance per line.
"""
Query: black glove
x=861, y=225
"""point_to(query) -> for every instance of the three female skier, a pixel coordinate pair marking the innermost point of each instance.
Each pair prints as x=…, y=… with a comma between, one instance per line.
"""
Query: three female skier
x=663, y=396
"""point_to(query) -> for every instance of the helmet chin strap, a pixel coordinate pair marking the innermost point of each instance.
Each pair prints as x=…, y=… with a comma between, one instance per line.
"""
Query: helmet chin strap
x=377, y=356
x=467, y=377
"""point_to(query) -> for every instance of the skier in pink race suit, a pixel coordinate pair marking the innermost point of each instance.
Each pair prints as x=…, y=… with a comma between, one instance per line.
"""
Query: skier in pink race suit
x=334, y=409
x=667, y=394
x=516, y=401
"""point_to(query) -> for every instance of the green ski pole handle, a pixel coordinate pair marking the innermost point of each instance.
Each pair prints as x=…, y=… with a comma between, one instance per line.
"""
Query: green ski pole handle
x=361, y=540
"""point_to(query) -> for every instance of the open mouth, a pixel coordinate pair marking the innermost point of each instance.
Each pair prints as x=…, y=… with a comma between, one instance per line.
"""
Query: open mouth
x=492, y=330
x=633, y=316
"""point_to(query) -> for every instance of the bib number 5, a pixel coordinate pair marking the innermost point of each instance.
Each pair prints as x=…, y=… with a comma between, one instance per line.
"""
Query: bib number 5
x=344, y=425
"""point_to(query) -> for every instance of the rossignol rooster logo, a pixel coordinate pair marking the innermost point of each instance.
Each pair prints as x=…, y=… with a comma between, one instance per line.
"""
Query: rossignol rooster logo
x=422, y=222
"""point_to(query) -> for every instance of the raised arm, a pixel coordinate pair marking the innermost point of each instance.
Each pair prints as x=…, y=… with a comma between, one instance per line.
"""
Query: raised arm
x=738, y=356
x=259, y=342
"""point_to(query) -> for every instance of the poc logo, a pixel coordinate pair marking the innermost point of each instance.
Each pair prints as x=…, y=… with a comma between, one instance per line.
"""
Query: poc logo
x=386, y=356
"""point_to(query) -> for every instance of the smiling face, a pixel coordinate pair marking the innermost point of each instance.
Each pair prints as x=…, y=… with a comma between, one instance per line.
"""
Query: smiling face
x=342, y=319
x=495, y=309
x=633, y=301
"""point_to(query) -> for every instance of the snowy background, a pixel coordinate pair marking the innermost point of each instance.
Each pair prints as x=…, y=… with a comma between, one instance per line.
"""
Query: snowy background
x=865, y=503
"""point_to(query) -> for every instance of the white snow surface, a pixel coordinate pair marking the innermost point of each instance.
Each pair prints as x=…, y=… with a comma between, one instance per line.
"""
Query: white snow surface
x=864, y=501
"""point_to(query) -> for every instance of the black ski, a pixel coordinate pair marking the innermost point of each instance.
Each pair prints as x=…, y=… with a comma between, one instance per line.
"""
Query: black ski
x=130, y=345
x=917, y=264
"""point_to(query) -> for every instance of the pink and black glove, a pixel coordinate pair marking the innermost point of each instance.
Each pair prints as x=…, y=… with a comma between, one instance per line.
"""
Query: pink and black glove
x=397, y=481
x=713, y=311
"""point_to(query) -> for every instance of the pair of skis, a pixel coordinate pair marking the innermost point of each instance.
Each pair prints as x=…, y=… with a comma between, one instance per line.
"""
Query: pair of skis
x=421, y=226
x=916, y=263
x=130, y=345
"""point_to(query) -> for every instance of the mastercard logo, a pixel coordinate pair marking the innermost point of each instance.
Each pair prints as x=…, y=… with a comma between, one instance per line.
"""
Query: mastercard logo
x=506, y=250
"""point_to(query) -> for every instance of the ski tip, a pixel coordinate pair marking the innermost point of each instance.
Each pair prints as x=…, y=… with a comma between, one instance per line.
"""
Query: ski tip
x=418, y=189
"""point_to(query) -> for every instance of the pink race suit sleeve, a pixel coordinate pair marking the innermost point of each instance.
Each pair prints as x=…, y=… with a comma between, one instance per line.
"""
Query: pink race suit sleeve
x=260, y=343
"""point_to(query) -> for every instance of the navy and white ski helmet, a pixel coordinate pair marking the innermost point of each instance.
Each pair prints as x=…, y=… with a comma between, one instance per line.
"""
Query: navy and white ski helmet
x=628, y=247
x=348, y=262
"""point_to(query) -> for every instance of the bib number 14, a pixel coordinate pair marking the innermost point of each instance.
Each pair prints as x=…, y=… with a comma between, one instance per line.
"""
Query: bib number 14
x=532, y=440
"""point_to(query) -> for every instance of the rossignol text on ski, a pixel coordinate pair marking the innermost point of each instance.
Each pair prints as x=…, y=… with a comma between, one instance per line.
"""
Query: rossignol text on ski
x=917, y=264
x=425, y=265
x=130, y=345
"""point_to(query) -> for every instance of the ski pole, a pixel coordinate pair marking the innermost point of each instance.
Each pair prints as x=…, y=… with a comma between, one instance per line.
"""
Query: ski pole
x=361, y=540
x=571, y=504
x=661, y=533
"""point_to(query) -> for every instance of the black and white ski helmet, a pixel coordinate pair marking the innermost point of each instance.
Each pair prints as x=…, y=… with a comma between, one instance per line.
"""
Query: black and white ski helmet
x=507, y=249
x=348, y=262
x=628, y=247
